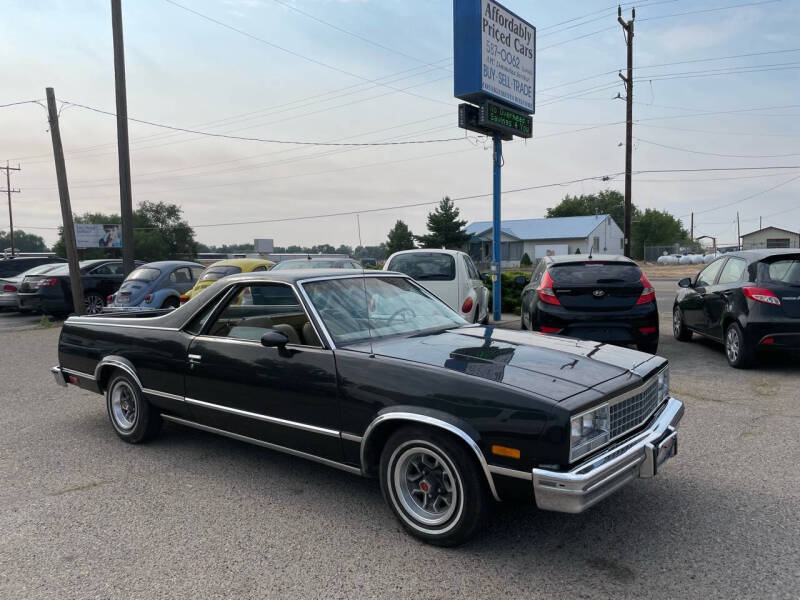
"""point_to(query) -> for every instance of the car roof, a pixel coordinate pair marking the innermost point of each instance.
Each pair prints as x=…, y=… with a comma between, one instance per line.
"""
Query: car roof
x=579, y=258
x=165, y=264
x=294, y=275
x=319, y=258
x=429, y=251
x=756, y=255
x=243, y=262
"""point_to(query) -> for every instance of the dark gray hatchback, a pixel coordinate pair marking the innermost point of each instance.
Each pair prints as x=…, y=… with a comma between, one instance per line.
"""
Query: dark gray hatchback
x=602, y=298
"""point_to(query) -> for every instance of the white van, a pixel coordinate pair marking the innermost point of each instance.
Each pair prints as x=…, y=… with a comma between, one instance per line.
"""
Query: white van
x=449, y=274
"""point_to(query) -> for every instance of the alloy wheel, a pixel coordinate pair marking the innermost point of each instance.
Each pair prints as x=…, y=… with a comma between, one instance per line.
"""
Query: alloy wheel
x=425, y=486
x=94, y=304
x=676, y=322
x=123, y=405
x=732, y=344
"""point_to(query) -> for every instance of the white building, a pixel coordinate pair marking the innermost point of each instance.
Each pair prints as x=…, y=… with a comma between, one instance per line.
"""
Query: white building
x=770, y=237
x=539, y=237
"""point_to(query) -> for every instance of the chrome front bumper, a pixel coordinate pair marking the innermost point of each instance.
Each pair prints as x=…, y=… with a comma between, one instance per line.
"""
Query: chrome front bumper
x=58, y=375
x=641, y=456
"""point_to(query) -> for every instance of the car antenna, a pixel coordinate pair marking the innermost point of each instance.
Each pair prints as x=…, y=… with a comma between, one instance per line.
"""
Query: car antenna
x=366, y=296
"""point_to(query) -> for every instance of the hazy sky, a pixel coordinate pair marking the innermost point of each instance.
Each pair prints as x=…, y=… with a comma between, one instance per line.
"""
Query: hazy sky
x=389, y=77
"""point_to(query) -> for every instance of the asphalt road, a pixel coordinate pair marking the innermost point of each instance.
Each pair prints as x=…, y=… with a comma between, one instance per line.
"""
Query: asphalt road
x=192, y=515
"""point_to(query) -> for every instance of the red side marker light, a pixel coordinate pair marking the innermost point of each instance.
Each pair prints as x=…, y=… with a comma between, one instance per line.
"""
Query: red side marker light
x=73, y=380
x=768, y=340
x=467, y=306
x=545, y=329
x=647, y=329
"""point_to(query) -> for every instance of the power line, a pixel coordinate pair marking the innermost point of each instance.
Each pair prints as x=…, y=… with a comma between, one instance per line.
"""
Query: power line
x=708, y=10
x=257, y=139
x=652, y=143
x=297, y=54
x=762, y=192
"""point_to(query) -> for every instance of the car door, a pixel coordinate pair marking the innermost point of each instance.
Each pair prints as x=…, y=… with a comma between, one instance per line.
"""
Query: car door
x=718, y=296
x=692, y=302
x=285, y=396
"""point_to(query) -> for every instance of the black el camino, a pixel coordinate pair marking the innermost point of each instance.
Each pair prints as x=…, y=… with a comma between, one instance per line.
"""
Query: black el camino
x=370, y=373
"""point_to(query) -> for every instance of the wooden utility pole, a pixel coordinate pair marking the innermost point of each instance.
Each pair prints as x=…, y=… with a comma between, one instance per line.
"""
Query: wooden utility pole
x=10, y=191
x=692, y=229
x=627, y=28
x=125, y=200
x=738, y=232
x=66, y=208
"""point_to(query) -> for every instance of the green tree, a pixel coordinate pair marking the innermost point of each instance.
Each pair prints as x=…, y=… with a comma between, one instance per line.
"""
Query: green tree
x=23, y=242
x=446, y=229
x=607, y=202
x=525, y=261
x=159, y=233
x=399, y=238
x=656, y=227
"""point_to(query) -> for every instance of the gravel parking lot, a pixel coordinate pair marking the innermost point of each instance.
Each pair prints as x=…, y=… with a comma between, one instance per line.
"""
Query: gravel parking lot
x=192, y=515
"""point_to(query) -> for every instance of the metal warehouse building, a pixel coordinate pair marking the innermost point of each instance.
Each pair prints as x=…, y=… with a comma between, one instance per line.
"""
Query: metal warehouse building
x=539, y=237
x=770, y=237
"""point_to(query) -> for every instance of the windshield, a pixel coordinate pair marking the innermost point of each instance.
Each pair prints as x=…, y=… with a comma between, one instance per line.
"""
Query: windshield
x=425, y=266
x=315, y=264
x=592, y=273
x=357, y=308
x=213, y=273
x=144, y=274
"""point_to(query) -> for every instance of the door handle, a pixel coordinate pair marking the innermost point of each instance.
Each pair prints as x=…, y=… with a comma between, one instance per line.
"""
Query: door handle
x=195, y=358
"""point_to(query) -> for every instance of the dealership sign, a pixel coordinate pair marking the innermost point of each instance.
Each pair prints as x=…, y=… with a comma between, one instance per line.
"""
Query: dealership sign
x=90, y=235
x=495, y=55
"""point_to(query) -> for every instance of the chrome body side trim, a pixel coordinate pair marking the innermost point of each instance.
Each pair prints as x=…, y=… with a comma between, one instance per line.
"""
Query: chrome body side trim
x=434, y=422
x=510, y=472
x=102, y=323
x=58, y=376
x=119, y=364
x=244, y=438
x=593, y=480
x=265, y=418
x=167, y=395
x=88, y=376
x=351, y=437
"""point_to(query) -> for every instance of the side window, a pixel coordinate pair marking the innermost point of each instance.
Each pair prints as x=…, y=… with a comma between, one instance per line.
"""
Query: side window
x=258, y=308
x=536, y=276
x=102, y=270
x=182, y=275
x=706, y=276
x=260, y=268
x=196, y=272
x=732, y=271
x=472, y=272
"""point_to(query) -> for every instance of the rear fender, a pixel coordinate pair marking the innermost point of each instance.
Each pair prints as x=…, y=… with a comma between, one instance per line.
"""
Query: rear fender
x=104, y=368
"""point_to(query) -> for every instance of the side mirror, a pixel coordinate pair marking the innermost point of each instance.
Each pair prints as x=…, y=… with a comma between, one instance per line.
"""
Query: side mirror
x=686, y=282
x=273, y=339
x=521, y=280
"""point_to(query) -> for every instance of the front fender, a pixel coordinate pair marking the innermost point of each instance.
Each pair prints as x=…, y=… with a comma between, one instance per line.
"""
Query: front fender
x=424, y=416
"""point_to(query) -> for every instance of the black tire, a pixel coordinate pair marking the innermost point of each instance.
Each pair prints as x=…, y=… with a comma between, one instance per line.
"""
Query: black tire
x=649, y=347
x=738, y=351
x=476, y=318
x=132, y=417
x=440, y=461
x=679, y=330
x=522, y=323
x=171, y=302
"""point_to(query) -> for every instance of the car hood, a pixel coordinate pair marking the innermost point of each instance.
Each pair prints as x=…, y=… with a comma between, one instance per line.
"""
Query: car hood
x=550, y=366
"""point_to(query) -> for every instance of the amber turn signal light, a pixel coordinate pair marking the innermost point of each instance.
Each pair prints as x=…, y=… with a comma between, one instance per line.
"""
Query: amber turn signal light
x=505, y=451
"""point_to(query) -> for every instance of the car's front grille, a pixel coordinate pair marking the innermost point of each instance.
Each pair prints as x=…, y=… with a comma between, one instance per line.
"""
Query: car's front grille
x=633, y=411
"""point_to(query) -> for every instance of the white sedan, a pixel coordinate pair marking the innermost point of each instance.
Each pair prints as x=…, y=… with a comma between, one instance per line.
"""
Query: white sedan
x=449, y=274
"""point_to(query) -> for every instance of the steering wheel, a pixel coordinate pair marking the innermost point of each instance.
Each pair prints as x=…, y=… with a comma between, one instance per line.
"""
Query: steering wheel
x=399, y=312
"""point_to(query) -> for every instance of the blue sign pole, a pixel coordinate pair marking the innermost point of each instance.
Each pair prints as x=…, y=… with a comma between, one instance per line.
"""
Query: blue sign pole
x=497, y=253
